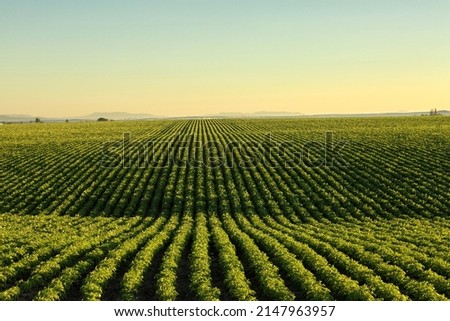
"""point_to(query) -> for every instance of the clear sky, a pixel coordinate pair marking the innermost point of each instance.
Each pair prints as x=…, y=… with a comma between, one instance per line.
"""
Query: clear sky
x=187, y=57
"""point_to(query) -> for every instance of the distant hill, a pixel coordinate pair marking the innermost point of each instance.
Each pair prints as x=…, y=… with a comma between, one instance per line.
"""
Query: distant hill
x=444, y=112
x=117, y=116
x=17, y=118
x=256, y=114
x=269, y=114
x=393, y=114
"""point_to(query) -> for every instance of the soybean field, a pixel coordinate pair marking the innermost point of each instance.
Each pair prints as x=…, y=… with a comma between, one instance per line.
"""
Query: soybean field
x=226, y=209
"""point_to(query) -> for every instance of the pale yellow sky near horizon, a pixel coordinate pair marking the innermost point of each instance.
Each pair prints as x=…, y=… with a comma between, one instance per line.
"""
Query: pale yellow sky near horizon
x=207, y=57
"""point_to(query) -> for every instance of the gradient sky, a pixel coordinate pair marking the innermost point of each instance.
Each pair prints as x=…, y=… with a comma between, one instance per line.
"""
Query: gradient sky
x=187, y=57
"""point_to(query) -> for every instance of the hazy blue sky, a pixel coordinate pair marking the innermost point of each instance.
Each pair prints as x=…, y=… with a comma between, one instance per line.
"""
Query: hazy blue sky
x=68, y=58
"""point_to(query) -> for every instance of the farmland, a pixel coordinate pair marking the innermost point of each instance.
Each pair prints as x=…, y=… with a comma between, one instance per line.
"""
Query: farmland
x=226, y=209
